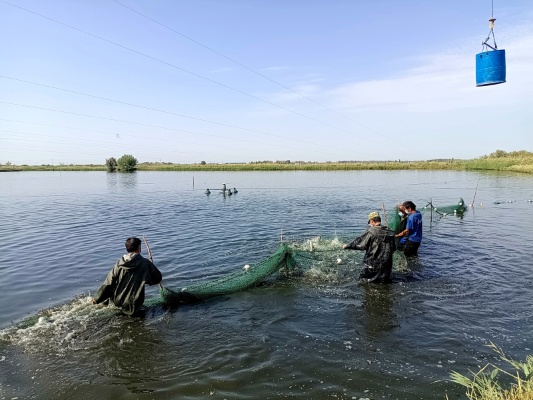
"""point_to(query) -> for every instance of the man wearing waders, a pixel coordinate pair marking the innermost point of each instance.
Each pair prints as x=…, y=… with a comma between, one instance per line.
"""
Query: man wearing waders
x=124, y=285
x=379, y=244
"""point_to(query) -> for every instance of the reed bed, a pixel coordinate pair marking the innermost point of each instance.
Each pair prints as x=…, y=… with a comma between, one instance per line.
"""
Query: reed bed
x=493, y=382
x=518, y=161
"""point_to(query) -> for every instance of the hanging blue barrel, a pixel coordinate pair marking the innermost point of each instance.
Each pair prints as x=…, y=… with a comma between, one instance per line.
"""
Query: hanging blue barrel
x=490, y=67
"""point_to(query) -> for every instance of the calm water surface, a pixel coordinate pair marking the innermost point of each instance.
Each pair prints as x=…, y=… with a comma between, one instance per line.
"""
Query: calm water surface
x=316, y=336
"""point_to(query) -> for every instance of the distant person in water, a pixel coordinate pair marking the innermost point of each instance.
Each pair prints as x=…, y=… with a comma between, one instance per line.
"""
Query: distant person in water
x=379, y=244
x=124, y=285
x=411, y=236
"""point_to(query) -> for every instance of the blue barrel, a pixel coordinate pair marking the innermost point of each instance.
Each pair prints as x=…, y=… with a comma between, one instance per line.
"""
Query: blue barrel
x=490, y=67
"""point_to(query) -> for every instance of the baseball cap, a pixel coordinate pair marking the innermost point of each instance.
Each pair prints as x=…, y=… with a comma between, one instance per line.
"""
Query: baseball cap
x=372, y=215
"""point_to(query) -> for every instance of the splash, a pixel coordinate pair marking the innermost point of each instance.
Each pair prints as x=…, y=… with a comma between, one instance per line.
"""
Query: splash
x=315, y=261
x=61, y=328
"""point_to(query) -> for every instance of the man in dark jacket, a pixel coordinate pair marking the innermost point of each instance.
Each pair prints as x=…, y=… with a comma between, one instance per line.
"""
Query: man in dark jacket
x=379, y=244
x=124, y=285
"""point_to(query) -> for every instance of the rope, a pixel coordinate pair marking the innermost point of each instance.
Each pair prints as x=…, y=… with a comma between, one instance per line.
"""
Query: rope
x=491, y=27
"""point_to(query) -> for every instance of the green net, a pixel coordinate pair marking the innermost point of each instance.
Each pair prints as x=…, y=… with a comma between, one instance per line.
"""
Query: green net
x=456, y=209
x=319, y=257
x=244, y=278
x=316, y=259
x=394, y=219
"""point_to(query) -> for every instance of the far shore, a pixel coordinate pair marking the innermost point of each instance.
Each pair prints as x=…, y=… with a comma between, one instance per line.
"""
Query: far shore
x=518, y=161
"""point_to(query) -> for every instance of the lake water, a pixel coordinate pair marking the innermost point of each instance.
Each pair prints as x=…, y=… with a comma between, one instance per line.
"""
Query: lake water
x=315, y=336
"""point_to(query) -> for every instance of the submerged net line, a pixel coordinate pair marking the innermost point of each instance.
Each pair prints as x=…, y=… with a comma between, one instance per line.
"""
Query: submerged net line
x=244, y=278
x=287, y=259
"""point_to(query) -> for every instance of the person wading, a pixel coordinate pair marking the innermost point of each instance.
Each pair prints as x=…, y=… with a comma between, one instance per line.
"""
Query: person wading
x=379, y=244
x=411, y=236
x=124, y=285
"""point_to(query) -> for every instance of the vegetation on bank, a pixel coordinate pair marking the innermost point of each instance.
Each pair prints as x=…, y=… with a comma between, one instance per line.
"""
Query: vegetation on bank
x=516, y=161
x=495, y=383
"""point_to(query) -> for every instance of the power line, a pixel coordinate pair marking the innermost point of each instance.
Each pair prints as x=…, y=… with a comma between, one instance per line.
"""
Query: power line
x=248, y=68
x=161, y=111
x=183, y=70
x=142, y=124
x=115, y=134
x=51, y=145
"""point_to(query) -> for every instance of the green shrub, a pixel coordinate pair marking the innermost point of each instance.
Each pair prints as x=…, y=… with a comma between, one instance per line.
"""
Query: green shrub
x=111, y=164
x=127, y=163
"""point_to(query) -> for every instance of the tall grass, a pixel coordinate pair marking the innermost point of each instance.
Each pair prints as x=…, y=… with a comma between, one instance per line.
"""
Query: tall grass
x=517, y=161
x=488, y=383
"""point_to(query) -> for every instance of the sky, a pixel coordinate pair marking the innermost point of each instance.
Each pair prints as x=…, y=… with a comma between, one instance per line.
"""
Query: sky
x=226, y=81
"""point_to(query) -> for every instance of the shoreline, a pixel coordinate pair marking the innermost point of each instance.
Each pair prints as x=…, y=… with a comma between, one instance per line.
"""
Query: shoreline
x=507, y=164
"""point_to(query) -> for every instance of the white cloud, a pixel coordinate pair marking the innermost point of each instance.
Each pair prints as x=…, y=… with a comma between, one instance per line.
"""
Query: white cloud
x=443, y=82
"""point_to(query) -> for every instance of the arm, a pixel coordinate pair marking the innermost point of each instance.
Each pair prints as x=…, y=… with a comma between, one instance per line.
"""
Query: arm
x=359, y=243
x=106, y=290
x=155, y=276
x=408, y=226
x=403, y=233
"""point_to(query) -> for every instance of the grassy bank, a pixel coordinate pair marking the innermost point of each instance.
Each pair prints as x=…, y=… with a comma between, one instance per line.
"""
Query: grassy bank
x=513, y=381
x=517, y=161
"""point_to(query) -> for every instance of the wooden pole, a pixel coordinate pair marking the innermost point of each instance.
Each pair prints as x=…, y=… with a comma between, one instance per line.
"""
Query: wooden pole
x=431, y=215
x=150, y=255
x=384, y=213
x=474, y=199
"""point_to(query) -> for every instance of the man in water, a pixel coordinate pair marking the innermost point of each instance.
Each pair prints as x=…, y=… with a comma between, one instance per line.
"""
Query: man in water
x=411, y=236
x=379, y=244
x=124, y=285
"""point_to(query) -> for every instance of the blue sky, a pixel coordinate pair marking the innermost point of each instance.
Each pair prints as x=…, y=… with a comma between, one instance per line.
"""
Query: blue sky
x=240, y=81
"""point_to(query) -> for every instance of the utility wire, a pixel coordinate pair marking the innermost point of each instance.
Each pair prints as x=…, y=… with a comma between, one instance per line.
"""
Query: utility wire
x=109, y=141
x=43, y=144
x=163, y=111
x=248, y=68
x=117, y=135
x=141, y=124
x=182, y=69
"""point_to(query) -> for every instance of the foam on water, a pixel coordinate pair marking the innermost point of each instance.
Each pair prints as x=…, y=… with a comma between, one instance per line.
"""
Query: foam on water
x=60, y=328
x=69, y=326
x=323, y=260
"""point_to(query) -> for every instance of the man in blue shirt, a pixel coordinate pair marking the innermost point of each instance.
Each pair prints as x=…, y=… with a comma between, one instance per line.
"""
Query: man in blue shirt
x=411, y=237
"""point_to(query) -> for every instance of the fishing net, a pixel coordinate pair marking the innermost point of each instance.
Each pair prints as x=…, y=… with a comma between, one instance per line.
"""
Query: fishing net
x=244, y=278
x=456, y=209
x=317, y=257
x=396, y=222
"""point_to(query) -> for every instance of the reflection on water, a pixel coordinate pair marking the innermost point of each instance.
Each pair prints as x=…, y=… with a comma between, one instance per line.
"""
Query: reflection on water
x=123, y=180
x=378, y=307
x=313, y=335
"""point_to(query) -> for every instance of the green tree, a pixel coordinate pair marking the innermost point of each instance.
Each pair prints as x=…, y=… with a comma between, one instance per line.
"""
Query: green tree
x=111, y=164
x=127, y=163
